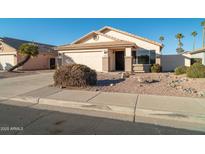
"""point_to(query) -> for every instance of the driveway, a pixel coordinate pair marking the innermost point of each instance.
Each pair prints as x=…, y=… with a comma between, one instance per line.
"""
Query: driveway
x=11, y=87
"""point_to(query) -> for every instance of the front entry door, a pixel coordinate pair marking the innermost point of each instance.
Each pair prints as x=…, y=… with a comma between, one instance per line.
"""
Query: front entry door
x=120, y=60
x=52, y=63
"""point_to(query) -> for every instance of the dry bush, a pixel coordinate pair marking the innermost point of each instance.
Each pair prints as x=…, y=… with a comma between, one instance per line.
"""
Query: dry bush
x=75, y=75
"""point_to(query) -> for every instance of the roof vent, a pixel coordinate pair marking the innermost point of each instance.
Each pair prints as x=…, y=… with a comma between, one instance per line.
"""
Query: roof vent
x=95, y=37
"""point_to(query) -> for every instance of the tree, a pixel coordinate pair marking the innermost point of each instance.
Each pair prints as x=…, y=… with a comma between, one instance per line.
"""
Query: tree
x=28, y=50
x=194, y=34
x=203, y=38
x=161, y=38
x=179, y=37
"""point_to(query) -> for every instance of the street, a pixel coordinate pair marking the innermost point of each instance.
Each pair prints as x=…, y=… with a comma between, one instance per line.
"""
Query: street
x=33, y=119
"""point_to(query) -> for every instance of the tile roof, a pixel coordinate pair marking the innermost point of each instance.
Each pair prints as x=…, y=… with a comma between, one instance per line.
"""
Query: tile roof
x=129, y=34
x=16, y=43
x=97, y=45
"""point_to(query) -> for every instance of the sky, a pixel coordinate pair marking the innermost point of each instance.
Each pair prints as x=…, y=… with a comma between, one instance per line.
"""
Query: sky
x=59, y=31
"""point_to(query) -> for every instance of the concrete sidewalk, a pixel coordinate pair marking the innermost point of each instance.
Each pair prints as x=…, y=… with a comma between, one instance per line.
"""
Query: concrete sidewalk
x=180, y=112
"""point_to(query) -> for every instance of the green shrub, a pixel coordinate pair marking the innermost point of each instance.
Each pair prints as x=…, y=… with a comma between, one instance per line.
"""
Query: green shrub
x=196, y=70
x=181, y=70
x=155, y=68
x=75, y=75
x=196, y=60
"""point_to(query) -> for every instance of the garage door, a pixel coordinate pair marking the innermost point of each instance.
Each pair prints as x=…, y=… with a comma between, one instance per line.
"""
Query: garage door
x=6, y=61
x=90, y=59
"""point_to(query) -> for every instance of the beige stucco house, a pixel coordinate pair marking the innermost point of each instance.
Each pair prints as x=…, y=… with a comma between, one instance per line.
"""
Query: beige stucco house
x=110, y=49
x=9, y=55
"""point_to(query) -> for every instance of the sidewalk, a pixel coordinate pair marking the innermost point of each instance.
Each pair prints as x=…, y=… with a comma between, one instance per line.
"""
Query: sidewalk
x=179, y=112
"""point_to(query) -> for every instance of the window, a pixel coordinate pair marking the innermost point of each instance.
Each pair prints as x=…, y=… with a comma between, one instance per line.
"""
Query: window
x=152, y=56
x=143, y=56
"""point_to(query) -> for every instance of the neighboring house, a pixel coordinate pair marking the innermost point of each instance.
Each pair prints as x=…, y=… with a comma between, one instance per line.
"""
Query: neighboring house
x=198, y=54
x=110, y=49
x=9, y=55
x=170, y=62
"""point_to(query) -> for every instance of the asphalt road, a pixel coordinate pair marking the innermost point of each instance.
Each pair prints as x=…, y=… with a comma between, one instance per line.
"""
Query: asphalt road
x=25, y=118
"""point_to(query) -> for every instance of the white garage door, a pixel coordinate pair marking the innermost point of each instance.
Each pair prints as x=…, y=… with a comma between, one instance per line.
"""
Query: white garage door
x=6, y=61
x=90, y=59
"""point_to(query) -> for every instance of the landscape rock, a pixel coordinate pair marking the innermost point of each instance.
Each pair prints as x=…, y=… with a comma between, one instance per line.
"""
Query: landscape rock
x=125, y=75
x=201, y=93
x=111, y=84
x=148, y=80
x=190, y=90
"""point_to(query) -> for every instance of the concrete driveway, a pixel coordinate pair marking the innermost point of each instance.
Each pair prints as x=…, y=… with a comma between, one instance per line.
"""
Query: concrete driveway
x=10, y=87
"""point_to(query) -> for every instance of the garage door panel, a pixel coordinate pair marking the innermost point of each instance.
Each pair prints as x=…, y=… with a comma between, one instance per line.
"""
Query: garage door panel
x=6, y=61
x=90, y=59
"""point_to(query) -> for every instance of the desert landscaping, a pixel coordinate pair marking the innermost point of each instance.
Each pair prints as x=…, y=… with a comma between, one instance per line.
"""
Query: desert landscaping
x=150, y=83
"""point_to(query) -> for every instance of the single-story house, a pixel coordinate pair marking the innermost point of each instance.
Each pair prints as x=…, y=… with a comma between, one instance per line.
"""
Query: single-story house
x=170, y=62
x=9, y=55
x=110, y=49
x=198, y=54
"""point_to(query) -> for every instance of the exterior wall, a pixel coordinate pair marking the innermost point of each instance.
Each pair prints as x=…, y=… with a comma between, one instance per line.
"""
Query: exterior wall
x=91, y=58
x=128, y=64
x=100, y=39
x=105, y=64
x=42, y=61
x=141, y=68
x=199, y=55
x=6, y=48
x=112, y=60
x=170, y=62
x=140, y=43
x=7, y=60
x=128, y=60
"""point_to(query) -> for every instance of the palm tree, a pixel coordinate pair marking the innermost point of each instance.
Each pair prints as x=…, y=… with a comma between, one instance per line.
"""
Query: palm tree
x=161, y=38
x=203, y=38
x=194, y=34
x=179, y=37
x=28, y=50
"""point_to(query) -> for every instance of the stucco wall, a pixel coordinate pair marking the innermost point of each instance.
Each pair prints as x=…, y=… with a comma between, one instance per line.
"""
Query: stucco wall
x=100, y=39
x=112, y=60
x=170, y=62
x=7, y=60
x=90, y=58
x=140, y=43
x=6, y=48
x=199, y=55
x=42, y=61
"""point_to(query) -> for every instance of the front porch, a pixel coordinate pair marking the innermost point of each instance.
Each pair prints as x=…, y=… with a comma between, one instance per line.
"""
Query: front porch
x=129, y=60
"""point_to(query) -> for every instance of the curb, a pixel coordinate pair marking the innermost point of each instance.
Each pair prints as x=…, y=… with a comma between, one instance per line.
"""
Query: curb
x=164, y=118
x=76, y=105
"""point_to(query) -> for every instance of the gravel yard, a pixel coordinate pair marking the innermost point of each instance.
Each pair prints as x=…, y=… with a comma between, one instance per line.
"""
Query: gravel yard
x=150, y=83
